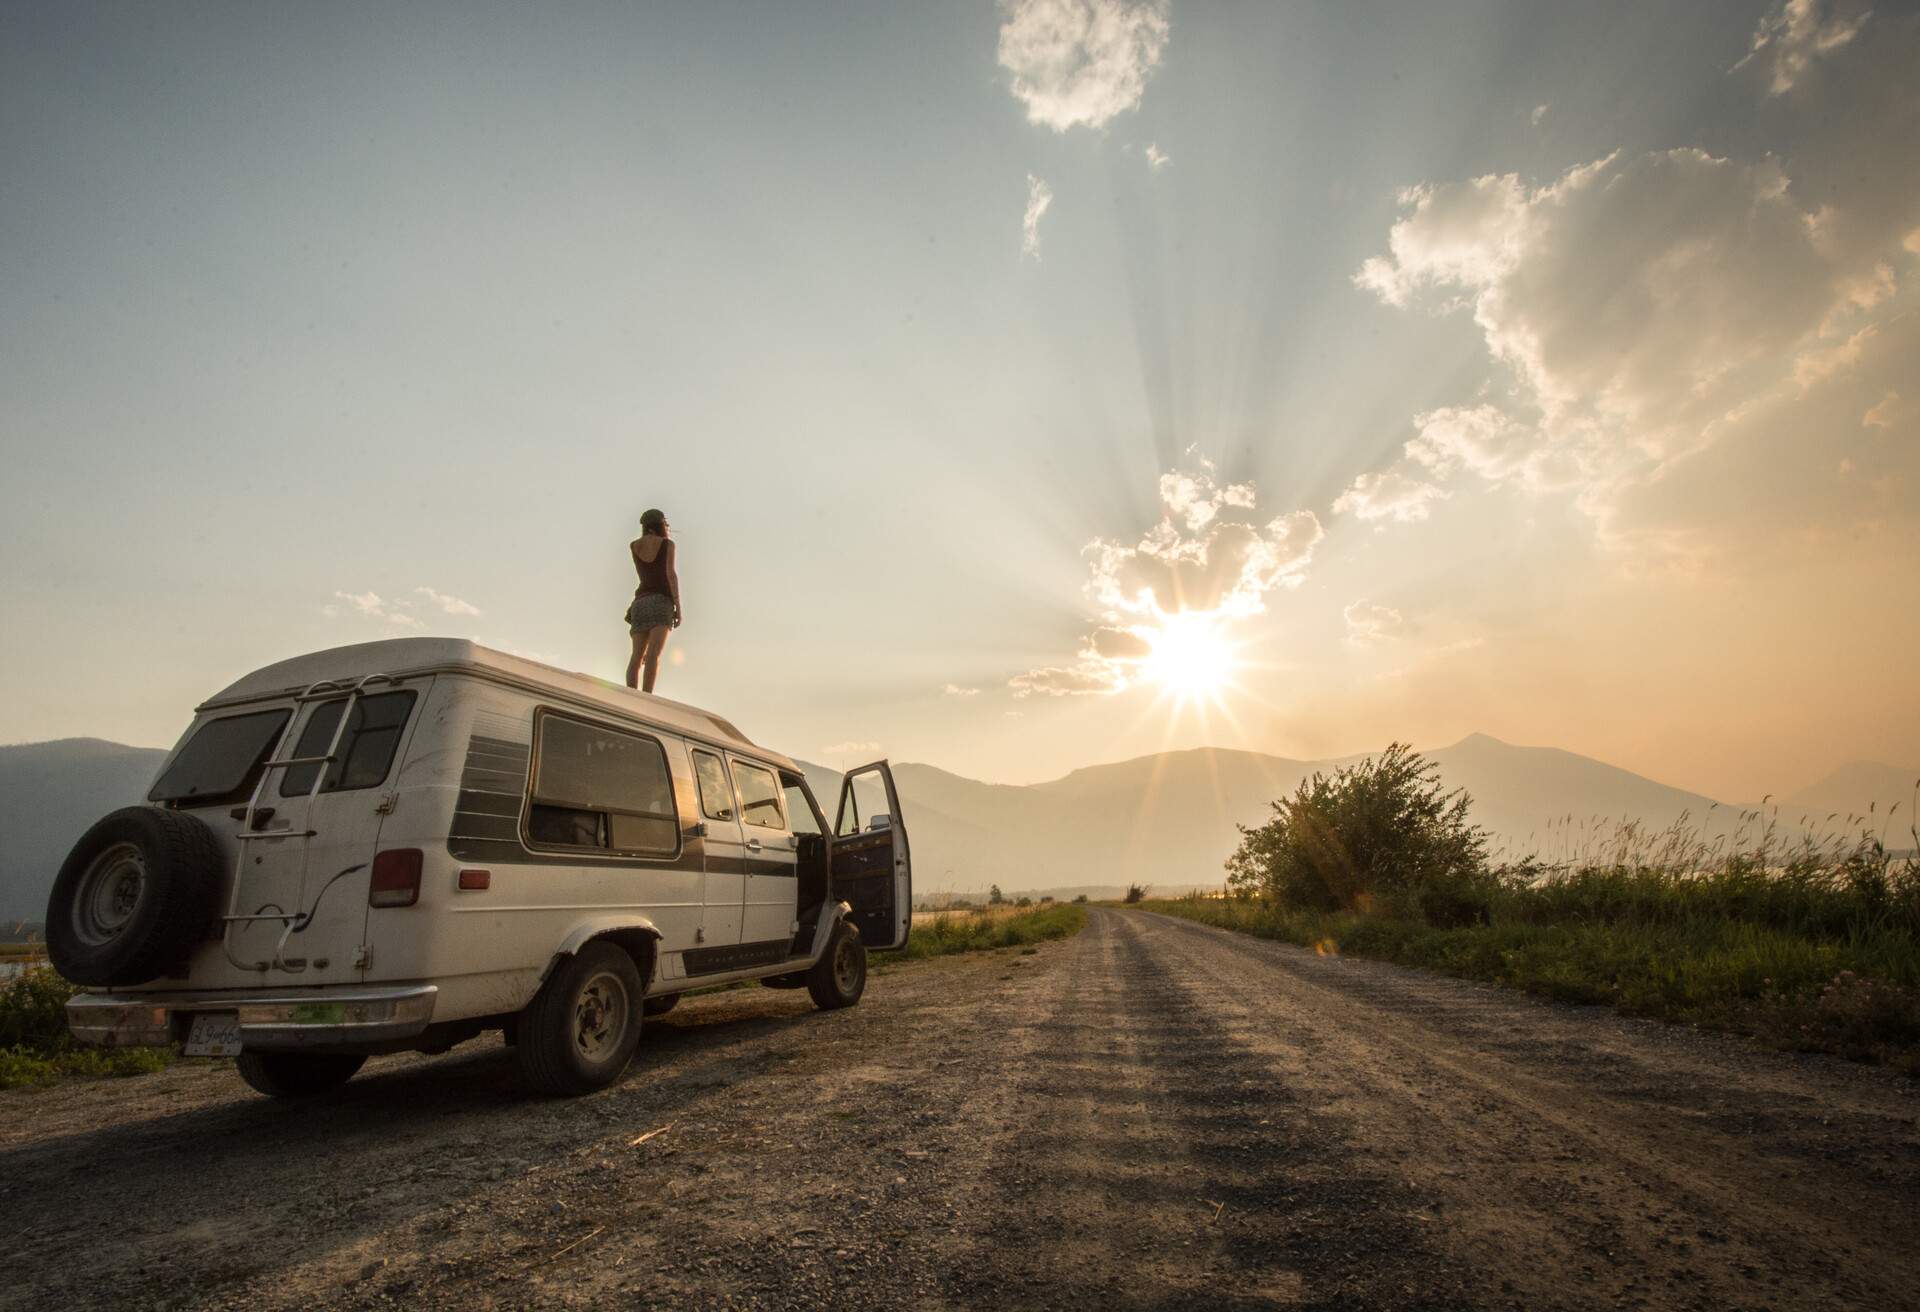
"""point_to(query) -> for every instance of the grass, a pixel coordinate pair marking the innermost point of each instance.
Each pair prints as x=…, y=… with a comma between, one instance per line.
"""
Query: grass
x=1812, y=946
x=961, y=931
x=35, y=1047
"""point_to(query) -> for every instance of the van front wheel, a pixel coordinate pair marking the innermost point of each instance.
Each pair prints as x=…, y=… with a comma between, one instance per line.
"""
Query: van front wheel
x=580, y=1030
x=840, y=976
x=296, y=1074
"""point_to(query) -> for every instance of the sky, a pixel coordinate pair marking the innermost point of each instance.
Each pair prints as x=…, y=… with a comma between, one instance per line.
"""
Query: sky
x=1028, y=384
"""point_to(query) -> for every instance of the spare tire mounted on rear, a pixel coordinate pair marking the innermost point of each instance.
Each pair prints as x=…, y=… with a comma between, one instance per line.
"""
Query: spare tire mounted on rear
x=136, y=895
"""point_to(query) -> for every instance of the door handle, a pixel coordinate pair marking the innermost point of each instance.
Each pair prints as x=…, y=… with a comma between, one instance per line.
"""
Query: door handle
x=694, y=831
x=753, y=845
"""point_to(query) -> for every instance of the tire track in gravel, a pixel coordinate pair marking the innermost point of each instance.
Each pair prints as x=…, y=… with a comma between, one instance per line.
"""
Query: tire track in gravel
x=1170, y=1169
x=1583, y=1159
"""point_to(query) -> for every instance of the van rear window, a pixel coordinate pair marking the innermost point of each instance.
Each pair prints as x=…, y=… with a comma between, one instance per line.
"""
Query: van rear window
x=366, y=748
x=221, y=760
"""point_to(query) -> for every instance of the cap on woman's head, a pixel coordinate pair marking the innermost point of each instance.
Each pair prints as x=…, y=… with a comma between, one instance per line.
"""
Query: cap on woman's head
x=653, y=520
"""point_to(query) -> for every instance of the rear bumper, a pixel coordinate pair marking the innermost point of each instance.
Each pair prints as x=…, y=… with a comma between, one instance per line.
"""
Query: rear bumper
x=291, y=1018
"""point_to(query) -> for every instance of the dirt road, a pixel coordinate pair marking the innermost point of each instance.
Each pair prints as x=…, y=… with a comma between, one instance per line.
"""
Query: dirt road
x=1150, y=1115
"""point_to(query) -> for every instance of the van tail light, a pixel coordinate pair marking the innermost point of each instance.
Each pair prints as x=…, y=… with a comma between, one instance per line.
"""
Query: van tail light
x=396, y=878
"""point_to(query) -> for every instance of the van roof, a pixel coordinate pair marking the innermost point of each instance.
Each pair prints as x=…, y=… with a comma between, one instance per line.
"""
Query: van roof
x=415, y=656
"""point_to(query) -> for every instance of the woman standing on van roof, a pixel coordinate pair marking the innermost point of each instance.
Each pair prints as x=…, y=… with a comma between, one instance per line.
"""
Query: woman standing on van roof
x=655, y=611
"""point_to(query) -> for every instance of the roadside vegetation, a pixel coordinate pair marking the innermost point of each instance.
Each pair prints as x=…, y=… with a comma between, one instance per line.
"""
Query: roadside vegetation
x=1807, y=941
x=35, y=1047
x=998, y=927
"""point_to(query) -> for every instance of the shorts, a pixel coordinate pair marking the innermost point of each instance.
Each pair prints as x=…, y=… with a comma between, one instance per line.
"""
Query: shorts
x=650, y=610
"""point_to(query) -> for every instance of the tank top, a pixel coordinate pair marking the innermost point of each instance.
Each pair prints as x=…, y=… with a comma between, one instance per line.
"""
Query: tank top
x=653, y=573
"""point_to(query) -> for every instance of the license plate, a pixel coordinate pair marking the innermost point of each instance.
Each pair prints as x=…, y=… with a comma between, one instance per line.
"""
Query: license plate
x=214, y=1034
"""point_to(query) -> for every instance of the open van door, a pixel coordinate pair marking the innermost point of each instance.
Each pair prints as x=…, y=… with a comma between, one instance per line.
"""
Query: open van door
x=871, y=869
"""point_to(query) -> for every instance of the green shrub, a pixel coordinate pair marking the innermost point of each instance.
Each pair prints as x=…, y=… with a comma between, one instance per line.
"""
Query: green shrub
x=36, y=1047
x=33, y=1010
x=1378, y=831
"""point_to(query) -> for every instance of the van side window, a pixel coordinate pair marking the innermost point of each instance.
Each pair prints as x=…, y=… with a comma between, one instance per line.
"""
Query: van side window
x=595, y=787
x=759, y=796
x=716, y=799
x=222, y=761
x=366, y=748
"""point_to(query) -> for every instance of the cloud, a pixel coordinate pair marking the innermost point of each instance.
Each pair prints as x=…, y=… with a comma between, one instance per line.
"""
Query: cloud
x=1389, y=494
x=1881, y=415
x=1369, y=623
x=373, y=607
x=1156, y=158
x=955, y=690
x=1080, y=63
x=1643, y=310
x=400, y=610
x=1210, y=552
x=1039, y=201
x=862, y=750
x=1790, y=39
x=1539, y=113
x=450, y=605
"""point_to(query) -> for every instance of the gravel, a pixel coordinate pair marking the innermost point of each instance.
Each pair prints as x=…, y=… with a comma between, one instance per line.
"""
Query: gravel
x=1154, y=1114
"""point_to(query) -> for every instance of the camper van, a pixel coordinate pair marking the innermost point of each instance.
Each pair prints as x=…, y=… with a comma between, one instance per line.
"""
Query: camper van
x=400, y=845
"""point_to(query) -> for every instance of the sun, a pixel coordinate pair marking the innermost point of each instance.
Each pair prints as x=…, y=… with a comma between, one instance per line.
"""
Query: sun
x=1189, y=656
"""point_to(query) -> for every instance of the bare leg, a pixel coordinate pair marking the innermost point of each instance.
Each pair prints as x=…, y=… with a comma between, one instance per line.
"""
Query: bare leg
x=633, y=662
x=656, y=644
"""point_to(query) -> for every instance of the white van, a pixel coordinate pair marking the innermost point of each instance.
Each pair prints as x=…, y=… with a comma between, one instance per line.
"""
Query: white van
x=399, y=845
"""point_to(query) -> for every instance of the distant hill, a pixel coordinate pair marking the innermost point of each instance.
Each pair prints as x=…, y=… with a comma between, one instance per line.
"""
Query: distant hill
x=1852, y=790
x=49, y=794
x=1167, y=820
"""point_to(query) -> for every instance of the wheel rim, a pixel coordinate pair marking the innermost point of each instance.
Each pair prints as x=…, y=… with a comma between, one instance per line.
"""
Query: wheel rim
x=600, y=1016
x=846, y=967
x=109, y=894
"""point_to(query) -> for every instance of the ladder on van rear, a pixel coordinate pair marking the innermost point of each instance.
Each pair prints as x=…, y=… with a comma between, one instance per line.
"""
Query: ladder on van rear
x=278, y=762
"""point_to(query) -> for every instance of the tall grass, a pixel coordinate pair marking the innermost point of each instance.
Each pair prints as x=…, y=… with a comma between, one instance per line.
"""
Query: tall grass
x=960, y=931
x=1806, y=937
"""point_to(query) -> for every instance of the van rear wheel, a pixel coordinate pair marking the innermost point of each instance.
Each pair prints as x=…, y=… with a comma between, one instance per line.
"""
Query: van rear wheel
x=296, y=1074
x=580, y=1030
x=840, y=976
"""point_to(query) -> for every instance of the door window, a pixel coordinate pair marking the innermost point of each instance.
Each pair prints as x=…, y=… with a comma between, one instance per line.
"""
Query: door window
x=366, y=748
x=800, y=813
x=716, y=798
x=864, y=806
x=221, y=761
x=759, y=796
x=595, y=787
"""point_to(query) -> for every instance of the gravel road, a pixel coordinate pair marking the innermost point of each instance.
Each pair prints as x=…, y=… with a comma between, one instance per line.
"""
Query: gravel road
x=1153, y=1114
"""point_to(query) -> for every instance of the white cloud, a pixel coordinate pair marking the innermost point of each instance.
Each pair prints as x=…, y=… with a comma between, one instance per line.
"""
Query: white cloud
x=1081, y=63
x=398, y=611
x=1210, y=552
x=1539, y=114
x=862, y=750
x=1369, y=622
x=1388, y=494
x=1039, y=201
x=1794, y=36
x=1156, y=158
x=955, y=690
x=450, y=605
x=371, y=605
x=1644, y=310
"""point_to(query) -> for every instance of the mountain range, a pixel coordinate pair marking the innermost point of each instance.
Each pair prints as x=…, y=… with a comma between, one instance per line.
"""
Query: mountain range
x=1167, y=820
